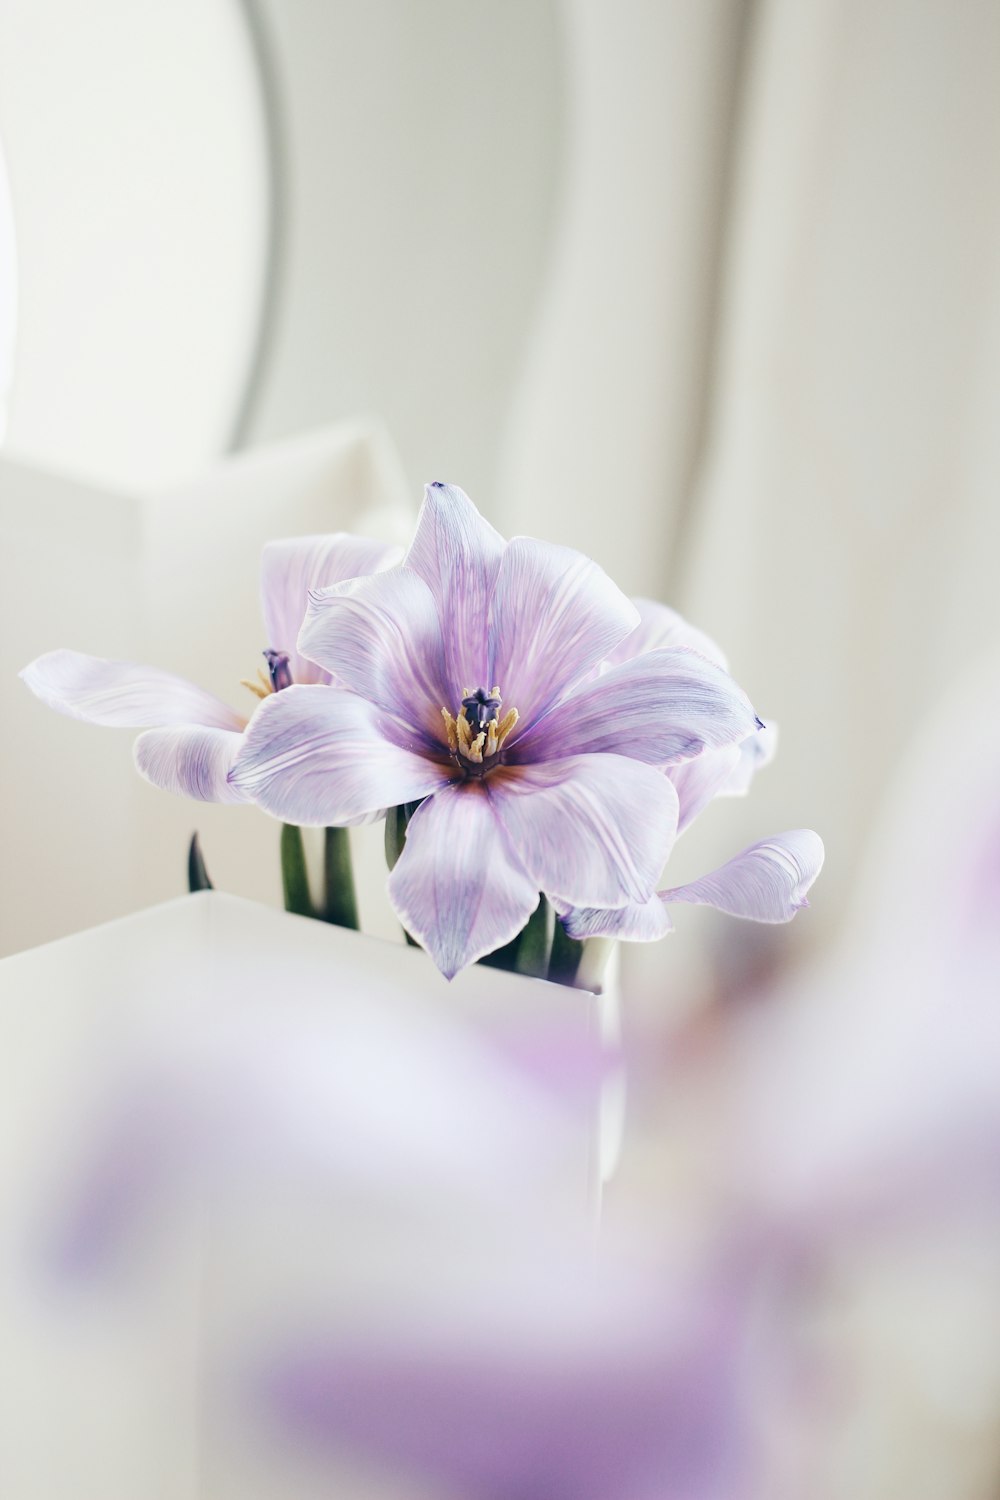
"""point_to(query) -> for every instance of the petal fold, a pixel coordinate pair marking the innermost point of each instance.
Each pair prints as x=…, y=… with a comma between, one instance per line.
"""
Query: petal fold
x=663, y=707
x=662, y=627
x=123, y=694
x=458, y=887
x=638, y=922
x=765, y=883
x=190, y=761
x=292, y=567
x=591, y=830
x=320, y=756
x=457, y=554
x=555, y=616
x=380, y=637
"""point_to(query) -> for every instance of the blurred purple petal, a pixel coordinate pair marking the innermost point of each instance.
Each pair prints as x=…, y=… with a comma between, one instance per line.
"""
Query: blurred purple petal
x=321, y=756
x=290, y=568
x=457, y=554
x=660, y=626
x=765, y=883
x=191, y=762
x=555, y=616
x=381, y=638
x=662, y=707
x=592, y=830
x=123, y=694
x=458, y=886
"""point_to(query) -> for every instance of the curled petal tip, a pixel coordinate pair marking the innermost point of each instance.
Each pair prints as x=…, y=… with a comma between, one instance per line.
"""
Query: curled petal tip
x=759, y=722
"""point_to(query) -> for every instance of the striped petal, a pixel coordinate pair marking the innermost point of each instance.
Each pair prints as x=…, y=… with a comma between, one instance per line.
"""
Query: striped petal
x=458, y=886
x=662, y=627
x=320, y=756
x=123, y=694
x=765, y=883
x=190, y=761
x=294, y=566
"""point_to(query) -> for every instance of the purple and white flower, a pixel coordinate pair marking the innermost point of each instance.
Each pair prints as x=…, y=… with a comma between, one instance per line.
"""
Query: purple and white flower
x=469, y=679
x=766, y=882
x=191, y=735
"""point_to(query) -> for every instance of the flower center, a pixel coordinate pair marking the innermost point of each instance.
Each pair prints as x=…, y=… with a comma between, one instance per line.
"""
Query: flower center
x=477, y=732
x=279, y=675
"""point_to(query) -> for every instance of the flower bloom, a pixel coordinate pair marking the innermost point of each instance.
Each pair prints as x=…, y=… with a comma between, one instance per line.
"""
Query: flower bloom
x=467, y=679
x=764, y=883
x=191, y=735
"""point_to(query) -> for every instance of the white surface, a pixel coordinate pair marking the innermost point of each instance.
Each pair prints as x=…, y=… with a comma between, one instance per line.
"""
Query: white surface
x=135, y=147
x=347, y=1110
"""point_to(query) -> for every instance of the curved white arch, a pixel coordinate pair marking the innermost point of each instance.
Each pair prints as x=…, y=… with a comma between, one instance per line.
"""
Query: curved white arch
x=137, y=156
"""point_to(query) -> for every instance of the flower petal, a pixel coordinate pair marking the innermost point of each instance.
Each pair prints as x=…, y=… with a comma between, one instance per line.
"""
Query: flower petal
x=659, y=627
x=320, y=756
x=663, y=707
x=290, y=568
x=123, y=694
x=458, y=886
x=765, y=883
x=638, y=922
x=190, y=761
x=756, y=752
x=699, y=780
x=380, y=637
x=457, y=554
x=555, y=615
x=592, y=830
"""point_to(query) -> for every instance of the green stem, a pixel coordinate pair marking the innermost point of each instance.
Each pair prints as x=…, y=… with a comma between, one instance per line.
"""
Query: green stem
x=340, y=901
x=590, y=973
x=534, y=948
x=567, y=955
x=198, y=877
x=293, y=872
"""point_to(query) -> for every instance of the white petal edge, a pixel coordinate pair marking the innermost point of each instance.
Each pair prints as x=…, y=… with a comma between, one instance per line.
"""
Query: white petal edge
x=123, y=694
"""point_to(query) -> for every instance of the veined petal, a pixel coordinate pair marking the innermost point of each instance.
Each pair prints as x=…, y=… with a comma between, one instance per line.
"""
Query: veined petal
x=756, y=752
x=290, y=568
x=663, y=707
x=190, y=761
x=662, y=627
x=765, y=883
x=638, y=922
x=555, y=615
x=380, y=637
x=320, y=756
x=591, y=830
x=699, y=780
x=458, y=886
x=123, y=694
x=457, y=554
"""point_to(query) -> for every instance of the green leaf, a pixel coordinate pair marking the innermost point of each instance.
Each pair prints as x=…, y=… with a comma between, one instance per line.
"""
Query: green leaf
x=567, y=956
x=294, y=877
x=198, y=877
x=396, y=820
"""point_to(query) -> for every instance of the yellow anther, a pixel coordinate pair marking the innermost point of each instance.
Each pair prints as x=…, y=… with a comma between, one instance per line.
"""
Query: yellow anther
x=506, y=724
x=450, y=731
x=262, y=689
x=496, y=694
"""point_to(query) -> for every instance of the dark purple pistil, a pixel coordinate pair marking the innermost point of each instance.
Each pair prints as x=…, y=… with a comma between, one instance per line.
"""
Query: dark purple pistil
x=277, y=666
x=481, y=708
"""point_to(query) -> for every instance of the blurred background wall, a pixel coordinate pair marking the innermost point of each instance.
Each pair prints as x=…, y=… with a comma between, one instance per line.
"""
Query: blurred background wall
x=709, y=288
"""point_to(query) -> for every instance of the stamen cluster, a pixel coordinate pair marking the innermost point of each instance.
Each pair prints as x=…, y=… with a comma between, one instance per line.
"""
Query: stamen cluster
x=476, y=733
